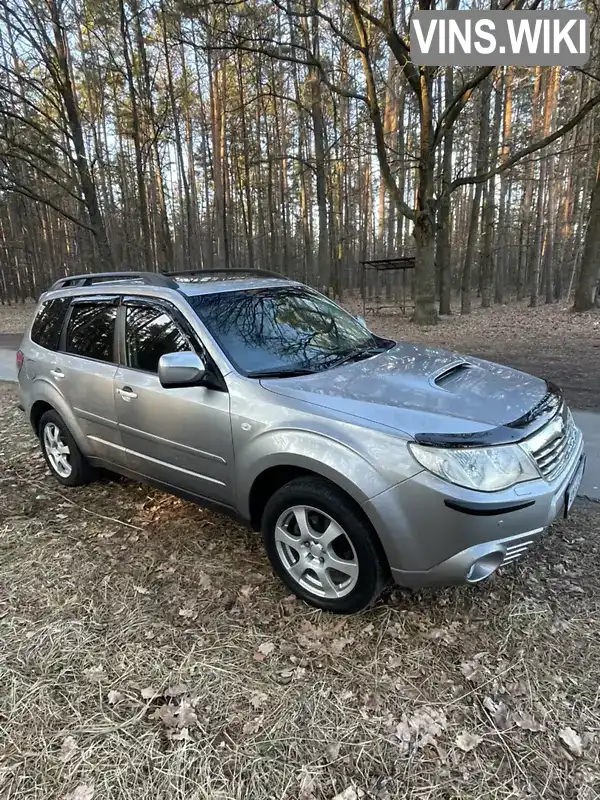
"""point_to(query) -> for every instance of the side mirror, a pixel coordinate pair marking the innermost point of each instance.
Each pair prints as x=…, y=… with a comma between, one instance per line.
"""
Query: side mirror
x=179, y=370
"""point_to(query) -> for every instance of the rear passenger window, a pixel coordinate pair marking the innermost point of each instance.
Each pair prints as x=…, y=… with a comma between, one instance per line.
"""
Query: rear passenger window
x=91, y=331
x=47, y=324
x=149, y=334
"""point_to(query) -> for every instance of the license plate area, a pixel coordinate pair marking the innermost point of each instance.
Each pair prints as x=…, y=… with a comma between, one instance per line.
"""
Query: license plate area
x=573, y=487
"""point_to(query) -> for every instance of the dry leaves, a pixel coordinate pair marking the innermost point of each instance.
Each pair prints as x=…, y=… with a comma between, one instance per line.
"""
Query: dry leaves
x=422, y=728
x=258, y=699
x=467, y=741
x=114, y=697
x=68, y=748
x=572, y=741
x=351, y=793
x=94, y=674
x=85, y=791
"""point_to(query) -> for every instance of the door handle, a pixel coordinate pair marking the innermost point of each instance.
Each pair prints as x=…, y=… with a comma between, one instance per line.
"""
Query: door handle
x=127, y=394
x=57, y=373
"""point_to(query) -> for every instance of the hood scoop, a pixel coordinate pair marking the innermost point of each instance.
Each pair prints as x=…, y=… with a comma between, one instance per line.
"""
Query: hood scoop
x=452, y=374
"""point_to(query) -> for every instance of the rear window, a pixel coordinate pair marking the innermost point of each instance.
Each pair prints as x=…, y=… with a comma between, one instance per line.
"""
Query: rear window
x=91, y=331
x=48, y=322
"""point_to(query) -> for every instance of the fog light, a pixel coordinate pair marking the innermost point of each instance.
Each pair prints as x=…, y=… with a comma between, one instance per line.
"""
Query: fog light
x=484, y=566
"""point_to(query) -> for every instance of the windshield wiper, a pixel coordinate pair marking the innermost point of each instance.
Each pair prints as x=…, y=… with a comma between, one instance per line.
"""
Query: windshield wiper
x=291, y=372
x=360, y=353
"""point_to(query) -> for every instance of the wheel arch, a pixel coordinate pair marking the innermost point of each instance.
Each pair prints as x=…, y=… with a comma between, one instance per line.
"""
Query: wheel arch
x=273, y=477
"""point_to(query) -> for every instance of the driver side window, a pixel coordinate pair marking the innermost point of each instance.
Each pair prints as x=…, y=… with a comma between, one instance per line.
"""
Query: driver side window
x=149, y=334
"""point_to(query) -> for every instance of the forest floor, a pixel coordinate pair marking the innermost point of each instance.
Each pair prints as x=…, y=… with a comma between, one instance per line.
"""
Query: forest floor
x=147, y=651
x=548, y=341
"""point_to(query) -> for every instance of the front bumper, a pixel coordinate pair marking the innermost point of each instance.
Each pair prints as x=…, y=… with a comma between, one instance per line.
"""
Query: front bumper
x=437, y=534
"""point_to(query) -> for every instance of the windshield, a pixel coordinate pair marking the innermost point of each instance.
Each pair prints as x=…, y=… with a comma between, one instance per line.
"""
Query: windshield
x=283, y=329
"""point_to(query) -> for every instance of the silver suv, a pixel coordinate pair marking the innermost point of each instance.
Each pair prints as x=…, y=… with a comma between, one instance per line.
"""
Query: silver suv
x=362, y=460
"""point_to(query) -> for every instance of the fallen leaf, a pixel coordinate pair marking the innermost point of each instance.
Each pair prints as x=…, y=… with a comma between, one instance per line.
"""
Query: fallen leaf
x=203, y=580
x=528, y=723
x=114, y=697
x=149, y=693
x=85, y=791
x=258, y=699
x=350, y=793
x=422, y=727
x=266, y=648
x=253, y=726
x=95, y=673
x=467, y=741
x=188, y=613
x=165, y=715
x=186, y=716
x=68, y=748
x=572, y=741
x=333, y=750
x=178, y=736
x=176, y=690
x=470, y=669
x=141, y=590
x=337, y=645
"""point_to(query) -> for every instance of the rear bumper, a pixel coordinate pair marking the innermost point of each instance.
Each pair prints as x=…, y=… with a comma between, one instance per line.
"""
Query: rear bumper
x=436, y=534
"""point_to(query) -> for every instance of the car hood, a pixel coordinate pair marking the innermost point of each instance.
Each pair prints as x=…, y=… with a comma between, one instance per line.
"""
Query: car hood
x=415, y=389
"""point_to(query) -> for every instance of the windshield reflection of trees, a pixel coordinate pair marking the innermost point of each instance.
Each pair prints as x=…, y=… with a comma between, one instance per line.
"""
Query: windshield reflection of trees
x=295, y=327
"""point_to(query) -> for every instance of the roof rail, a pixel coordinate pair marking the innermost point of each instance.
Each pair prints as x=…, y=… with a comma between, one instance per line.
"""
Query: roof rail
x=222, y=274
x=148, y=278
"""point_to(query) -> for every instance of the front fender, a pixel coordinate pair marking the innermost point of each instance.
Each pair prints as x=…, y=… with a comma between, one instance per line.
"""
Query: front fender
x=339, y=462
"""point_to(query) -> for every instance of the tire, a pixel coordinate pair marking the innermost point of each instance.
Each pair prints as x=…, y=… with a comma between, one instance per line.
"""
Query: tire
x=305, y=550
x=75, y=470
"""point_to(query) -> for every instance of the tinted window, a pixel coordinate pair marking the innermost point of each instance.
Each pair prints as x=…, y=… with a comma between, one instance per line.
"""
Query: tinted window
x=48, y=322
x=279, y=328
x=150, y=333
x=91, y=331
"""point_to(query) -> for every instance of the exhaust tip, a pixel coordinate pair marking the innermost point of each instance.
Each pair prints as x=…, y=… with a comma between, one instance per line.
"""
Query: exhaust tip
x=485, y=566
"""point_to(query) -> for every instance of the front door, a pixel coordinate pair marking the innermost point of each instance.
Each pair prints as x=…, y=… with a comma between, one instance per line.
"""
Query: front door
x=181, y=437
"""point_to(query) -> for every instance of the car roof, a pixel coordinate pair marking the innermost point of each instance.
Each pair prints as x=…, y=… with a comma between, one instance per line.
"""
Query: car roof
x=211, y=287
x=191, y=283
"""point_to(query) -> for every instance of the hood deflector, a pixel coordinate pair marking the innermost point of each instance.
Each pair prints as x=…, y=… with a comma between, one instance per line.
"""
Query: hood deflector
x=512, y=432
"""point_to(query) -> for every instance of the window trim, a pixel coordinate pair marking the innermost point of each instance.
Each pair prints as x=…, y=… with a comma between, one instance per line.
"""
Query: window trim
x=122, y=325
x=165, y=307
x=102, y=299
x=66, y=313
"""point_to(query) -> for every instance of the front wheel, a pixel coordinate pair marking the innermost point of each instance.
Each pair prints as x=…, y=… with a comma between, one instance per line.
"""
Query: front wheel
x=321, y=547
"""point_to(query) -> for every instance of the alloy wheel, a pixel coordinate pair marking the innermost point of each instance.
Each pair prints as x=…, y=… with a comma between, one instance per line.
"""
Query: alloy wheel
x=316, y=552
x=57, y=450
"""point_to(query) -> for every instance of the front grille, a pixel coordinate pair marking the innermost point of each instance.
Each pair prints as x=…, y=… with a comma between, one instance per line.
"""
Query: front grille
x=553, y=446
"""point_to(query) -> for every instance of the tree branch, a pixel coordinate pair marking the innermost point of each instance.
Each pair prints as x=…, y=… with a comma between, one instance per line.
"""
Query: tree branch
x=25, y=191
x=532, y=148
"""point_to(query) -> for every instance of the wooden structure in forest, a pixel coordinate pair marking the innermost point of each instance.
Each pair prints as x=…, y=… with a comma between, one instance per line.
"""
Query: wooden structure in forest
x=386, y=265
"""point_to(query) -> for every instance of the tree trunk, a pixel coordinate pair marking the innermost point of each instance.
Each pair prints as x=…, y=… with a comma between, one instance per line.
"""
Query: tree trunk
x=64, y=85
x=489, y=206
x=589, y=275
x=443, y=258
x=481, y=161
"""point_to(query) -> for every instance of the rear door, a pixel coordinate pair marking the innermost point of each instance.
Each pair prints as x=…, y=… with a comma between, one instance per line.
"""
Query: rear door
x=181, y=437
x=84, y=372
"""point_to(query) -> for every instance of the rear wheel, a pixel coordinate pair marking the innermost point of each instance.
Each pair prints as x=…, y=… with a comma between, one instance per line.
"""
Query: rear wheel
x=321, y=546
x=64, y=458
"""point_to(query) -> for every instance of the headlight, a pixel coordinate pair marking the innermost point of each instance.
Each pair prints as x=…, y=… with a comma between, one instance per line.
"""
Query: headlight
x=486, y=469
